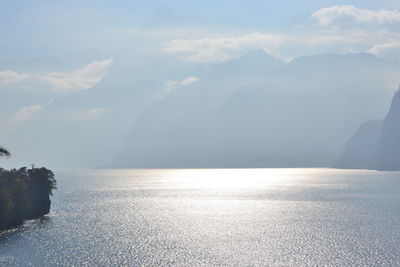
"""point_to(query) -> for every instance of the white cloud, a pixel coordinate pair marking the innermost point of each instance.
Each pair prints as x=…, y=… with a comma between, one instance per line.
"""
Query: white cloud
x=389, y=50
x=222, y=49
x=9, y=76
x=87, y=114
x=346, y=39
x=378, y=49
x=80, y=79
x=95, y=111
x=77, y=80
x=170, y=85
x=174, y=84
x=345, y=15
x=190, y=80
x=350, y=29
x=26, y=113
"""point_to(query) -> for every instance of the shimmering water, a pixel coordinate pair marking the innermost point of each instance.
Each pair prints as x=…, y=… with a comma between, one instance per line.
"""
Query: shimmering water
x=232, y=217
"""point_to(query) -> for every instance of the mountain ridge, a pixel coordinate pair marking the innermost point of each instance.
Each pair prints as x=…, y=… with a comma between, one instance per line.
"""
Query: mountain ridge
x=271, y=122
x=376, y=144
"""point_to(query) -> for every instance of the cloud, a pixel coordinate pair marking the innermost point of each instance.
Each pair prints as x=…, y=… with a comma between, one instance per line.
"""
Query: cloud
x=26, y=113
x=9, y=76
x=347, y=29
x=346, y=39
x=174, y=84
x=389, y=50
x=169, y=86
x=190, y=80
x=87, y=114
x=95, y=111
x=78, y=80
x=348, y=14
x=223, y=49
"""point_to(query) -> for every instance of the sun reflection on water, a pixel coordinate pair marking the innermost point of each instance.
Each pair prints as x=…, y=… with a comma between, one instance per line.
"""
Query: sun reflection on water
x=231, y=178
x=214, y=217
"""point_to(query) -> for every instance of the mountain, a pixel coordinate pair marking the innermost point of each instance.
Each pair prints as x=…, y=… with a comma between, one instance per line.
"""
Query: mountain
x=297, y=114
x=213, y=87
x=388, y=153
x=254, y=63
x=102, y=114
x=376, y=144
x=360, y=150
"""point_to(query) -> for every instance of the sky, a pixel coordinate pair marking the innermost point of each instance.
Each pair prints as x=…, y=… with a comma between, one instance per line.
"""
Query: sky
x=61, y=61
x=57, y=28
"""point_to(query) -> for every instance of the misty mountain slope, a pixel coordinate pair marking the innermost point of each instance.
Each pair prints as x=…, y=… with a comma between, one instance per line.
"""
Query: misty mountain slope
x=104, y=113
x=389, y=142
x=137, y=79
x=360, y=150
x=214, y=85
x=376, y=144
x=132, y=80
x=241, y=132
x=255, y=63
x=299, y=114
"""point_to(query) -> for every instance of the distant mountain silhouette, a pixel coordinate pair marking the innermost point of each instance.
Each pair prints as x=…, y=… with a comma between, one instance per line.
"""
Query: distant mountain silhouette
x=389, y=142
x=254, y=63
x=360, y=150
x=259, y=112
x=376, y=144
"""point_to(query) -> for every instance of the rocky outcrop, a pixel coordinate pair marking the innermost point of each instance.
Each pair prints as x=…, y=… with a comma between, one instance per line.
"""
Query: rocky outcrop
x=388, y=153
x=24, y=194
x=376, y=144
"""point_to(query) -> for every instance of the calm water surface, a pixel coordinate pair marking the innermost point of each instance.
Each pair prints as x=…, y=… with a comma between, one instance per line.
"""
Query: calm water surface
x=231, y=217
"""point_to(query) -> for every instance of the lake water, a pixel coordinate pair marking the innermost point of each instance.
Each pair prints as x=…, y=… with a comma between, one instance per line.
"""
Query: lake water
x=207, y=217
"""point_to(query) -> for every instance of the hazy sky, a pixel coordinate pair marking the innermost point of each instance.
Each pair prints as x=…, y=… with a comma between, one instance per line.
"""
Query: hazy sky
x=69, y=64
x=55, y=28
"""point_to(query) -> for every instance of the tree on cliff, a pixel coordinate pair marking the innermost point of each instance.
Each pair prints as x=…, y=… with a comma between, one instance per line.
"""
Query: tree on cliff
x=4, y=152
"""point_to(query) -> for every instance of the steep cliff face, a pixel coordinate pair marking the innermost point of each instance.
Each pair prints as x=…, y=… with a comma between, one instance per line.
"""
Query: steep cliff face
x=360, y=150
x=376, y=144
x=388, y=153
x=24, y=194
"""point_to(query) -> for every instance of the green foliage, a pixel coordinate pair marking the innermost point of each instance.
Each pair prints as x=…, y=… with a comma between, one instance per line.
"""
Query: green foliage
x=24, y=194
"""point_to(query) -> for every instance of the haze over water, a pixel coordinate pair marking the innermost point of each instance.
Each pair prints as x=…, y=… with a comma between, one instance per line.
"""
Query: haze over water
x=205, y=217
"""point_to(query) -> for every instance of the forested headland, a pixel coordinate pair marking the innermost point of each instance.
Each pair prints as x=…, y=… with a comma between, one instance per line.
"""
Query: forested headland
x=24, y=194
